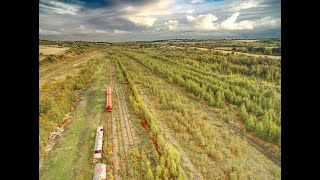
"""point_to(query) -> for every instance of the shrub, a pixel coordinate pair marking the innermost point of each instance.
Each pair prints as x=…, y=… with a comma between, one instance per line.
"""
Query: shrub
x=46, y=103
x=267, y=51
x=50, y=58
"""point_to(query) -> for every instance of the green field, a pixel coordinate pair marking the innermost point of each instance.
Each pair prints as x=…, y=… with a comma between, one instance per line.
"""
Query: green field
x=177, y=113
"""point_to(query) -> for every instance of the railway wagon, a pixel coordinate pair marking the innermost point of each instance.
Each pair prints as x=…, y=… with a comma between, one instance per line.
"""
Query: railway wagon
x=108, y=100
x=98, y=145
x=100, y=172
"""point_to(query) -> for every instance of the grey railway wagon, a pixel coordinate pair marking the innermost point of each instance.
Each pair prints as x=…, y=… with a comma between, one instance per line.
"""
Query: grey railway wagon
x=98, y=144
x=100, y=172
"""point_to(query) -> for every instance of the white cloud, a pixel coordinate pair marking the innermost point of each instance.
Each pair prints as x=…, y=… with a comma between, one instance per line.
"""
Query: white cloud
x=203, y=22
x=116, y=31
x=230, y=23
x=267, y=22
x=143, y=15
x=142, y=21
x=245, y=5
x=48, y=32
x=190, y=18
x=99, y=31
x=82, y=29
x=172, y=24
x=189, y=11
x=59, y=7
x=197, y=1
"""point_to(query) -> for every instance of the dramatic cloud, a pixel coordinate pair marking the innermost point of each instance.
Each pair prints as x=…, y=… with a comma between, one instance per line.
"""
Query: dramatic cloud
x=172, y=25
x=143, y=15
x=122, y=20
x=230, y=23
x=203, y=22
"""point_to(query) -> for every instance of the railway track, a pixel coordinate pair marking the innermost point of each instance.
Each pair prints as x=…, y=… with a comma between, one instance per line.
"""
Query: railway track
x=126, y=117
x=114, y=135
x=127, y=134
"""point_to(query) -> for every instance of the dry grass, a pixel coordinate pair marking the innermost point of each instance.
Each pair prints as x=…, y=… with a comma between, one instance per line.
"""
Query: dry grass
x=45, y=50
x=70, y=65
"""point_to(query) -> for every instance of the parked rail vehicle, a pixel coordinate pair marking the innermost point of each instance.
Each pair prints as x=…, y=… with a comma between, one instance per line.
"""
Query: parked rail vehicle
x=97, y=155
x=108, y=100
x=100, y=172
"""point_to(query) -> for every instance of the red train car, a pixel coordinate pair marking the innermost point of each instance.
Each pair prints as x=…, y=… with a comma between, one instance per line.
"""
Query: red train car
x=108, y=100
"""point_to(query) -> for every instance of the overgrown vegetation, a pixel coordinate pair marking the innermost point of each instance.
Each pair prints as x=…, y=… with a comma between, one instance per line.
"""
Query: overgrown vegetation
x=57, y=99
x=191, y=126
x=168, y=165
x=248, y=81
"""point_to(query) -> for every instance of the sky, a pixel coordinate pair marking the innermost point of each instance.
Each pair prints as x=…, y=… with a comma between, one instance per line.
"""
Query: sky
x=141, y=20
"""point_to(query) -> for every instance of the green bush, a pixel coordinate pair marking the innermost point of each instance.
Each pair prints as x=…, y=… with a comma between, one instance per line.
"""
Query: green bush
x=50, y=58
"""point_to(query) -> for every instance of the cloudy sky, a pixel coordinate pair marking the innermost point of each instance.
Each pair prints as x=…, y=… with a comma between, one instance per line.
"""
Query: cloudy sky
x=130, y=20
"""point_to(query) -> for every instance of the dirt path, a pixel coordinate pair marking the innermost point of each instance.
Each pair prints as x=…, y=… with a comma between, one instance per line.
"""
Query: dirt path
x=185, y=161
x=248, y=54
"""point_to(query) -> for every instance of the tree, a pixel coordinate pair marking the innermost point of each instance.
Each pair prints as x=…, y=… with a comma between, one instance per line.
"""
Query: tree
x=260, y=129
x=243, y=112
x=276, y=50
x=250, y=49
x=267, y=51
x=250, y=123
x=220, y=98
x=210, y=99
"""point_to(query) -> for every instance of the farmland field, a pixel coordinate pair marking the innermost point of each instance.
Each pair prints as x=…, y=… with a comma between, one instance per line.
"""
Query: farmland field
x=177, y=113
